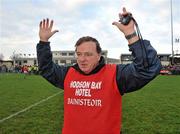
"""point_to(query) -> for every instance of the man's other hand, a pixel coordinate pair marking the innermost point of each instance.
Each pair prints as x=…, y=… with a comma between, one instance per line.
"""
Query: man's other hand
x=45, y=30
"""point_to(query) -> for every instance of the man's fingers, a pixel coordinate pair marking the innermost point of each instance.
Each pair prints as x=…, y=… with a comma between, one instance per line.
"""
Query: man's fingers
x=46, y=28
x=40, y=25
x=116, y=24
x=43, y=23
x=47, y=23
x=55, y=31
x=51, y=24
x=124, y=10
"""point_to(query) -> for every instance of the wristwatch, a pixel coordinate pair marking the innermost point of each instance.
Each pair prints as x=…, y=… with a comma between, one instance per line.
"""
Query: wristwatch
x=131, y=35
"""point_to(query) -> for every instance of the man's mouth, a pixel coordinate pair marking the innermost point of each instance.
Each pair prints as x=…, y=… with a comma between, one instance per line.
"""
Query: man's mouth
x=83, y=65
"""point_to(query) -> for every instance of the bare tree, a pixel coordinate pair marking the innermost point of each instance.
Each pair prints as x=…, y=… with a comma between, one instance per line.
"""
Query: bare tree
x=14, y=56
x=1, y=56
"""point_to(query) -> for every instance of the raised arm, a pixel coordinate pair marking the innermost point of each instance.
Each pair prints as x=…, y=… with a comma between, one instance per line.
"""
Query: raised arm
x=131, y=77
x=145, y=65
x=54, y=73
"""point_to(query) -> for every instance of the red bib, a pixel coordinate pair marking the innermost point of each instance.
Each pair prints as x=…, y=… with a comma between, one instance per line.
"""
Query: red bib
x=92, y=103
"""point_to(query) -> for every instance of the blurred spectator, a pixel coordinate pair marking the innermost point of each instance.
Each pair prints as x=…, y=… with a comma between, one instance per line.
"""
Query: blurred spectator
x=171, y=69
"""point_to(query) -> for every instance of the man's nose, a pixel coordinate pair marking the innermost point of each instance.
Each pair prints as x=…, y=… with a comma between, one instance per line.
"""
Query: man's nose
x=82, y=58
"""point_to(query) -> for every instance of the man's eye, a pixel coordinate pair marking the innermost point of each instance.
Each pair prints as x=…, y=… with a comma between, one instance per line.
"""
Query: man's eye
x=78, y=54
x=88, y=54
x=84, y=54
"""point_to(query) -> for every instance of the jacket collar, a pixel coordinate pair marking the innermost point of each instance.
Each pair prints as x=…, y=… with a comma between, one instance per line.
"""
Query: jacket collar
x=95, y=70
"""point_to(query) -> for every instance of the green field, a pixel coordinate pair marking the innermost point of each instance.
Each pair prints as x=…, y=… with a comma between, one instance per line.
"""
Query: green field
x=153, y=110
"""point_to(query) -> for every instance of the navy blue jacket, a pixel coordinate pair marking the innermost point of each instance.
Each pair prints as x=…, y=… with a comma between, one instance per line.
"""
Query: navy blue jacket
x=130, y=77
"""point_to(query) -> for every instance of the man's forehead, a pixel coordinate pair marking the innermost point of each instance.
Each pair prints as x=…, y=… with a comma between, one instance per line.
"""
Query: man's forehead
x=86, y=51
x=88, y=43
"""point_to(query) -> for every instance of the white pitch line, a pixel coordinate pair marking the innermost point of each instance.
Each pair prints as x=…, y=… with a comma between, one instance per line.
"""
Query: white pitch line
x=29, y=107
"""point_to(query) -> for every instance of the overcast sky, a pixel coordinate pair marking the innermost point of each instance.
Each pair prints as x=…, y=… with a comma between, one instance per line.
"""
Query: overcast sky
x=19, y=24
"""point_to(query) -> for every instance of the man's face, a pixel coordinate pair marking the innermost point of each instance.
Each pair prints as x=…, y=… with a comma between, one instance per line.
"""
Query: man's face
x=87, y=56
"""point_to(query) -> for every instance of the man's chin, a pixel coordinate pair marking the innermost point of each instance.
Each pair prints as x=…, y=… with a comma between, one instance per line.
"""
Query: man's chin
x=85, y=70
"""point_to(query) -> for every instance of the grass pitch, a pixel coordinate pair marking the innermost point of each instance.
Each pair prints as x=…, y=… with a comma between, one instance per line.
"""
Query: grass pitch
x=155, y=109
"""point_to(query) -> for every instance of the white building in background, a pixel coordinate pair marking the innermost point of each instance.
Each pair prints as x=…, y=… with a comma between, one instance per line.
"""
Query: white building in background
x=25, y=59
x=68, y=58
x=59, y=57
x=166, y=59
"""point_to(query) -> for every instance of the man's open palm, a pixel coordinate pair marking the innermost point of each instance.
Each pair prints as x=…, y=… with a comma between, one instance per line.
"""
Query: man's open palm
x=45, y=30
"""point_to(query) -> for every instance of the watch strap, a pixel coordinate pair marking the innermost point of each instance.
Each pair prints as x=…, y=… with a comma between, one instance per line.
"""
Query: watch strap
x=131, y=35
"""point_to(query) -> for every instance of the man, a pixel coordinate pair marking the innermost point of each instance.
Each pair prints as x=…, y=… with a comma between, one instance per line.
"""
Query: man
x=92, y=89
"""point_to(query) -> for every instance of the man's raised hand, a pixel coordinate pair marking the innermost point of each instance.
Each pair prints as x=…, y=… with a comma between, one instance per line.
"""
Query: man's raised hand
x=126, y=29
x=45, y=30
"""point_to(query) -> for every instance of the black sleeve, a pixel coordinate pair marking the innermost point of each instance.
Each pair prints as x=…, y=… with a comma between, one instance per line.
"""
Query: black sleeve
x=52, y=72
x=131, y=77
